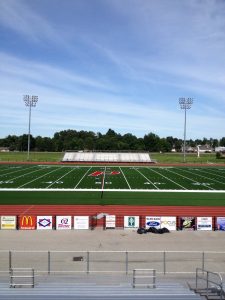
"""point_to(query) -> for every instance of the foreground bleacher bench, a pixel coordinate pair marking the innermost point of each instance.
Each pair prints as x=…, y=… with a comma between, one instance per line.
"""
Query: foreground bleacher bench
x=61, y=290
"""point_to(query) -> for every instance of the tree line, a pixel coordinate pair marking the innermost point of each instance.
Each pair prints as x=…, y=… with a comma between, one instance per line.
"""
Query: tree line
x=88, y=140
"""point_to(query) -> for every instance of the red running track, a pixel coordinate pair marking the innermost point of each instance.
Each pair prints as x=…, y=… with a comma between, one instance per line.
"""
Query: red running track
x=120, y=210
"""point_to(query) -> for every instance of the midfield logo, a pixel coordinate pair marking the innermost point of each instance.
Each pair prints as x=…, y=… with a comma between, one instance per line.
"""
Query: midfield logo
x=98, y=173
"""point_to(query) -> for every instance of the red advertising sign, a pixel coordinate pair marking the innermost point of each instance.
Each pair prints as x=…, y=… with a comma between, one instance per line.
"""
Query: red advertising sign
x=27, y=222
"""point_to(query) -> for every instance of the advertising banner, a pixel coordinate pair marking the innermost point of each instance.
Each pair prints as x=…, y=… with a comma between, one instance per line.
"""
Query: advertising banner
x=131, y=221
x=8, y=222
x=63, y=222
x=81, y=222
x=110, y=221
x=44, y=222
x=220, y=223
x=169, y=223
x=187, y=223
x=152, y=222
x=204, y=223
x=27, y=222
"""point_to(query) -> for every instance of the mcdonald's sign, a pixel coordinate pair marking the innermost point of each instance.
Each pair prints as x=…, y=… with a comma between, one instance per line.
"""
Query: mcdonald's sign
x=27, y=222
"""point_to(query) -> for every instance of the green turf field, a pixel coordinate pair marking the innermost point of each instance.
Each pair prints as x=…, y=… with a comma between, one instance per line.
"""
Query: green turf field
x=159, y=157
x=155, y=185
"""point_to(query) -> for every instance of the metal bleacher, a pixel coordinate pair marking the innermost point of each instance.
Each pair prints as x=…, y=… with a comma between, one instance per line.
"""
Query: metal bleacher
x=56, y=290
x=120, y=157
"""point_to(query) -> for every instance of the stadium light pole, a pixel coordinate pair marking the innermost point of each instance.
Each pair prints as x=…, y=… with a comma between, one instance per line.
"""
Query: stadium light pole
x=185, y=103
x=30, y=101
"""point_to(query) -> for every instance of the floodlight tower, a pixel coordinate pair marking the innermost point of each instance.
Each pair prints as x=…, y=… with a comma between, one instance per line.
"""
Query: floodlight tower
x=30, y=101
x=185, y=103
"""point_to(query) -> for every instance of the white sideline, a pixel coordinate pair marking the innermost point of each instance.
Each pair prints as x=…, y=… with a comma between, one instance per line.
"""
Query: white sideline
x=110, y=190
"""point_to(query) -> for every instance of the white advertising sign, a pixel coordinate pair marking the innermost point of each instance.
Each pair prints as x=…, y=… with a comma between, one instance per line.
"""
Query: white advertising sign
x=169, y=223
x=110, y=221
x=63, y=222
x=131, y=221
x=204, y=223
x=152, y=222
x=8, y=222
x=44, y=222
x=81, y=222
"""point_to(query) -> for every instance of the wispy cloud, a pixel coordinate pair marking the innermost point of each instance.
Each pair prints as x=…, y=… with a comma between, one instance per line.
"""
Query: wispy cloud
x=128, y=78
x=17, y=16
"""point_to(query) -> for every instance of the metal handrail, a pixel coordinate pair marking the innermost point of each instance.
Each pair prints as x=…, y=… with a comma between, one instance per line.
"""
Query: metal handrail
x=217, y=282
x=144, y=275
x=18, y=273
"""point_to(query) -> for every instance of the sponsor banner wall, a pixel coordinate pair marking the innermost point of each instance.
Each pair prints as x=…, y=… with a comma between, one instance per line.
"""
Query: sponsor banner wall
x=131, y=221
x=44, y=222
x=187, y=223
x=8, y=222
x=220, y=223
x=81, y=222
x=204, y=223
x=152, y=222
x=169, y=223
x=110, y=221
x=63, y=222
x=27, y=222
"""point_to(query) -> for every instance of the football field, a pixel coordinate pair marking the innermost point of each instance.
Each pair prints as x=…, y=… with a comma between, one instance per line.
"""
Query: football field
x=140, y=183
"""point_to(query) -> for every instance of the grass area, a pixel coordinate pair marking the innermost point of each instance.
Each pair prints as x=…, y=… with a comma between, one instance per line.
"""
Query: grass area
x=111, y=198
x=159, y=157
x=34, y=156
x=170, y=158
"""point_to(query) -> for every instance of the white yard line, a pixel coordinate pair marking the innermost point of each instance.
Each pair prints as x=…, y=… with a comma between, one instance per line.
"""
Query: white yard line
x=206, y=177
x=125, y=178
x=24, y=175
x=16, y=171
x=169, y=179
x=146, y=178
x=60, y=178
x=103, y=180
x=200, y=170
x=82, y=177
x=113, y=190
x=188, y=178
x=37, y=178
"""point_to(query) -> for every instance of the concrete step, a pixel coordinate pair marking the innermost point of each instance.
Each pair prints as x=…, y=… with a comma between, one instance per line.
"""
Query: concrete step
x=110, y=292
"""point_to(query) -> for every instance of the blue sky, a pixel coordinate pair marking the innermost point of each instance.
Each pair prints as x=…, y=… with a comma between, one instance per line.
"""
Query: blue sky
x=120, y=64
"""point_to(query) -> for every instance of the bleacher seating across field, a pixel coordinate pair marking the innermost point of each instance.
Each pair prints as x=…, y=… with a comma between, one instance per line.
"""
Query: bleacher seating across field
x=101, y=157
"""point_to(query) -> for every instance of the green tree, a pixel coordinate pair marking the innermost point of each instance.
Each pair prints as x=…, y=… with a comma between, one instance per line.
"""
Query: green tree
x=152, y=142
x=222, y=142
